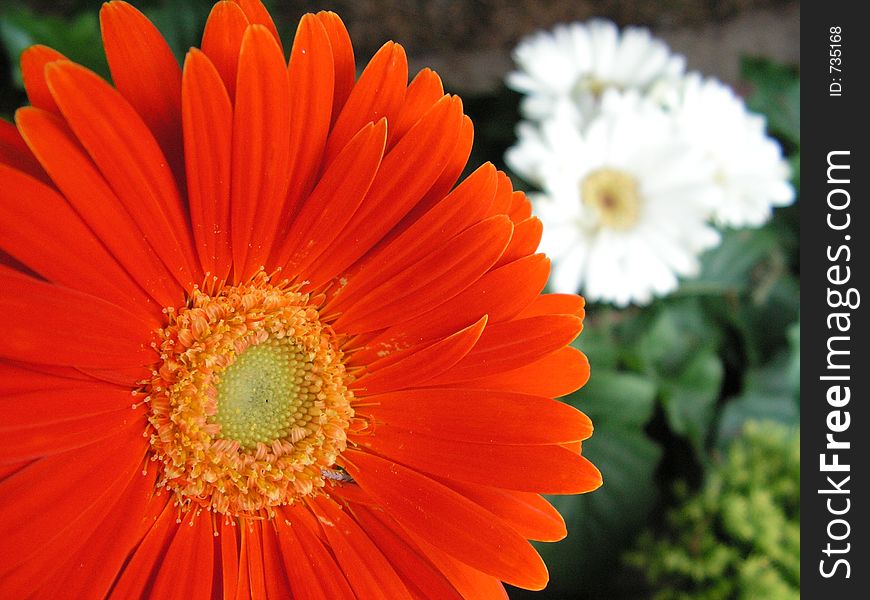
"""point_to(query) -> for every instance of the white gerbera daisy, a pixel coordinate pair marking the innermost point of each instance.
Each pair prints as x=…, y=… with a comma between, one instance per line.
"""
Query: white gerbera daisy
x=564, y=72
x=750, y=172
x=626, y=202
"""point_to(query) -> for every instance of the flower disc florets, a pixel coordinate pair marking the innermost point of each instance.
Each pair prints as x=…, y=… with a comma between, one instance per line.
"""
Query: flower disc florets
x=613, y=197
x=250, y=401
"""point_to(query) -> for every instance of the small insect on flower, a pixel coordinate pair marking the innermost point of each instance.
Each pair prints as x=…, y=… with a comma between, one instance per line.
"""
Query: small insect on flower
x=337, y=474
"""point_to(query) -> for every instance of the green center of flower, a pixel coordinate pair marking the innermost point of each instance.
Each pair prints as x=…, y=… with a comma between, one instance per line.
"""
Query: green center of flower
x=264, y=394
x=613, y=196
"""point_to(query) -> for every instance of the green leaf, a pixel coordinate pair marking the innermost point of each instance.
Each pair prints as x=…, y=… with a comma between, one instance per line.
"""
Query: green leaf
x=602, y=522
x=616, y=399
x=776, y=96
x=769, y=393
x=767, y=317
x=690, y=398
x=599, y=345
x=755, y=407
x=78, y=37
x=181, y=22
x=729, y=267
x=677, y=333
x=793, y=369
x=749, y=285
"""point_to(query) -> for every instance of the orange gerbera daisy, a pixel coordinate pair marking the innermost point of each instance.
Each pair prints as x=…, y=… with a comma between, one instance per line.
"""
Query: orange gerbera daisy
x=258, y=341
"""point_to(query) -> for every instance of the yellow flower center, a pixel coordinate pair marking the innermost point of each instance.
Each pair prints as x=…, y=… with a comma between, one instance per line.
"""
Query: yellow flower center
x=595, y=86
x=250, y=403
x=613, y=196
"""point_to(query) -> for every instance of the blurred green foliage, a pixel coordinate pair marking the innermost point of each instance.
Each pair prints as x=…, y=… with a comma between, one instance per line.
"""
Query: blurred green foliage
x=21, y=27
x=739, y=537
x=72, y=28
x=675, y=383
x=602, y=524
x=777, y=95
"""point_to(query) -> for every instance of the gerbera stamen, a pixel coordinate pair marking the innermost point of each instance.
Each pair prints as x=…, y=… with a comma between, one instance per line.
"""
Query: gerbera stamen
x=613, y=195
x=250, y=403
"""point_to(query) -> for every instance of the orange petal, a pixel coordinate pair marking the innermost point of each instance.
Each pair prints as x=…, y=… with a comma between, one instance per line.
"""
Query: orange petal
x=252, y=554
x=417, y=366
x=148, y=556
x=524, y=242
x=45, y=234
x=26, y=377
x=500, y=294
x=404, y=176
x=445, y=182
x=540, y=469
x=521, y=208
x=309, y=565
x=229, y=553
x=479, y=416
x=513, y=344
x=77, y=401
x=503, y=197
x=257, y=14
x=243, y=585
x=436, y=278
x=554, y=375
x=419, y=574
x=48, y=439
x=54, y=325
x=62, y=549
x=273, y=566
x=90, y=196
x=351, y=493
x=222, y=40
x=311, y=86
x=342, y=56
x=33, y=61
x=448, y=520
x=367, y=570
x=260, y=149
x=528, y=514
x=186, y=569
x=470, y=582
x=146, y=72
x=575, y=447
x=55, y=500
x=127, y=376
x=15, y=153
x=555, y=304
x=378, y=93
x=334, y=201
x=7, y=471
x=423, y=92
x=131, y=161
x=208, y=130
x=460, y=209
x=101, y=557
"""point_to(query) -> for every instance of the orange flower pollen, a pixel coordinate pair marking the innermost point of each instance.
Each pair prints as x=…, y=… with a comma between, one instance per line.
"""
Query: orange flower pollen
x=250, y=404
